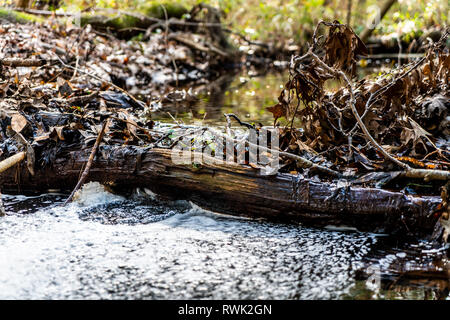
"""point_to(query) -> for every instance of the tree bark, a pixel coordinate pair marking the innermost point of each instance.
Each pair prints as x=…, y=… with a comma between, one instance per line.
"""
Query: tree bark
x=349, y=12
x=2, y=210
x=22, y=4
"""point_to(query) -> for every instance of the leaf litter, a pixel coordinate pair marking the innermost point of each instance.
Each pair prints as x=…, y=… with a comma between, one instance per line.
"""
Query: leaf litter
x=405, y=110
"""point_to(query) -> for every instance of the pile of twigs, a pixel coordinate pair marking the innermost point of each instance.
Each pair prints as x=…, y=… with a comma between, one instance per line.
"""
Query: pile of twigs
x=395, y=125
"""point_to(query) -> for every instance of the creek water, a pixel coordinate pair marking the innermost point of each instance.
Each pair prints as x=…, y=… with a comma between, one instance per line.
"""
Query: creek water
x=108, y=247
x=246, y=96
x=143, y=247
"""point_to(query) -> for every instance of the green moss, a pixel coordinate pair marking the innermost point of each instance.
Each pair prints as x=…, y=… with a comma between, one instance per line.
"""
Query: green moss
x=124, y=23
x=20, y=17
x=155, y=9
x=112, y=21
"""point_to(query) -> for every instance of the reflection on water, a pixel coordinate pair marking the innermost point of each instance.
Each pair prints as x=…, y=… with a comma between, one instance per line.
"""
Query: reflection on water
x=115, y=248
x=246, y=95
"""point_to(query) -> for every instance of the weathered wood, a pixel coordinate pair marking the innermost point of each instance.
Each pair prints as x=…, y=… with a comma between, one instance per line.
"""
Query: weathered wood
x=2, y=209
x=236, y=189
x=17, y=62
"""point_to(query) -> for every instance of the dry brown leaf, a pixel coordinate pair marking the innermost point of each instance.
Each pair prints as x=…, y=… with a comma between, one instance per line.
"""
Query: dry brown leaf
x=59, y=132
x=254, y=165
x=342, y=46
x=18, y=123
x=279, y=110
x=43, y=137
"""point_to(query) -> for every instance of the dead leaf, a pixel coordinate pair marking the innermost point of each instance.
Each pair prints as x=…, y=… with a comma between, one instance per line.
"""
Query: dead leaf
x=279, y=110
x=64, y=87
x=18, y=123
x=59, y=131
x=342, y=46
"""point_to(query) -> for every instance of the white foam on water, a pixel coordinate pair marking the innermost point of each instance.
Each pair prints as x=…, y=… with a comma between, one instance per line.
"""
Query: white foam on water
x=94, y=193
x=341, y=228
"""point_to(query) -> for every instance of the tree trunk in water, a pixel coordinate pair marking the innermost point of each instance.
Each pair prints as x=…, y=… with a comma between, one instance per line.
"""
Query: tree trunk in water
x=23, y=4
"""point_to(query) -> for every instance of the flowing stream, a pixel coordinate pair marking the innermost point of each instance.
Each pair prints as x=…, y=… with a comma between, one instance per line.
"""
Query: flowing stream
x=105, y=246
x=142, y=247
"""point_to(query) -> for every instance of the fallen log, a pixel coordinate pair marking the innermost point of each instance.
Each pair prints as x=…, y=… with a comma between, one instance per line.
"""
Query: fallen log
x=235, y=189
x=17, y=62
x=5, y=165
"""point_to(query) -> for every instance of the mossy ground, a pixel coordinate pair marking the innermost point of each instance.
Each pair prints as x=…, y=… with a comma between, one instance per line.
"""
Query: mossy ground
x=20, y=17
x=159, y=10
x=124, y=22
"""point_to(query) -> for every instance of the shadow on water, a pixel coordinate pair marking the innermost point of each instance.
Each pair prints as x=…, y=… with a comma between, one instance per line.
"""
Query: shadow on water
x=144, y=247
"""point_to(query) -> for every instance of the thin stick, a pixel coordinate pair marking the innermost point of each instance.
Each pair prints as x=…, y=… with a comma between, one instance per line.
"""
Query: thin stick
x=17, y=62
x=427, y=174
x=2, y=209
x=12, y=161
x=89, y=163
x=242, y=123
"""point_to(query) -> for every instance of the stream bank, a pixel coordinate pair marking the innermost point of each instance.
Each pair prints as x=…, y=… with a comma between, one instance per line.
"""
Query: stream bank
x=107, y=247
x=83, y=87
x=66, y=90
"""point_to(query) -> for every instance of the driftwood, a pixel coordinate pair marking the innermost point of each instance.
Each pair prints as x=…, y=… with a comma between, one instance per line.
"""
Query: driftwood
x=17, y=62
x=5, y=165
x=235, y=189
